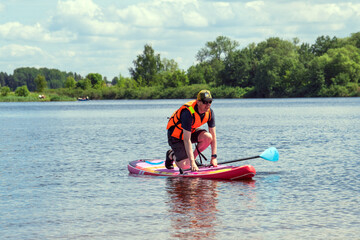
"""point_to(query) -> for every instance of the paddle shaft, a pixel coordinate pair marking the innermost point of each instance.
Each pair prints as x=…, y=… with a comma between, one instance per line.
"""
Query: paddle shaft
x=238, y=160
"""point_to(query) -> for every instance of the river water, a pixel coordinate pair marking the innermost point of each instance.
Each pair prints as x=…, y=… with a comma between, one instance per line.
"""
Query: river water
x=63, y=172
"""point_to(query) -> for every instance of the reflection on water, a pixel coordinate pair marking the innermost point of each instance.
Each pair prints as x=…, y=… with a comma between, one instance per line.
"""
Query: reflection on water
x=192, y=207
x=193, y=204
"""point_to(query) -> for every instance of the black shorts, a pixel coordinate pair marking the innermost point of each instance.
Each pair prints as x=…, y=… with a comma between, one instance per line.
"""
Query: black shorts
x=178, y=146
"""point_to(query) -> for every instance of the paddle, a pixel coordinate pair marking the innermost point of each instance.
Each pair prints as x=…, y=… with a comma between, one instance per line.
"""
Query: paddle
x=270, y=154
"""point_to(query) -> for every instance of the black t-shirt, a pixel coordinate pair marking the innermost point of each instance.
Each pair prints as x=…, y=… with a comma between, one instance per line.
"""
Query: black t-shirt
x=186, y=119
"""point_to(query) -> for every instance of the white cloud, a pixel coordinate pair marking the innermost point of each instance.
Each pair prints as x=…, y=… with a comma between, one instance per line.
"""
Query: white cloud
x=164, y=13
x=314, y=13
x=223, y=11
x=142, y=16
x=19, y=51
x=18, y=31
x=13, y=30
x=194, y=19
x=84, y=17
x=67, y=54
x=83, y=8
x=255, y=5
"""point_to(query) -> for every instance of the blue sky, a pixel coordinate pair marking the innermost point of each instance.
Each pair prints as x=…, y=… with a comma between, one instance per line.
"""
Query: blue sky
x=105, y=36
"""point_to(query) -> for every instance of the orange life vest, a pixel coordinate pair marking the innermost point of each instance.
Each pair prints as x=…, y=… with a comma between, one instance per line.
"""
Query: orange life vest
x=197, y=122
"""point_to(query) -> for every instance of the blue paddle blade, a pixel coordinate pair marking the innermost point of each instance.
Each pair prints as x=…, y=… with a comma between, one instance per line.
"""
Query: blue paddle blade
x=270, y=154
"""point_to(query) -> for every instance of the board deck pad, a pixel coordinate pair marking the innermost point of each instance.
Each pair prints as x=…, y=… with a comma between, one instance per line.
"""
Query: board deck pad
x=156, y=167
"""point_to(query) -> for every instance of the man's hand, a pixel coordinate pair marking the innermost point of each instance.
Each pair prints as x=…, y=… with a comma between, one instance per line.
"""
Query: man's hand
x=194, y=167
x=213, y=162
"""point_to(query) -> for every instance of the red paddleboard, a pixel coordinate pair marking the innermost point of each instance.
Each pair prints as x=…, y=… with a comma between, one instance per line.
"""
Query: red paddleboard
x=156, y=167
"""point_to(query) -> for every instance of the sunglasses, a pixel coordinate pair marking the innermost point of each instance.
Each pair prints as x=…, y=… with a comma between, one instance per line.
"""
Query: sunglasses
x=206, y=102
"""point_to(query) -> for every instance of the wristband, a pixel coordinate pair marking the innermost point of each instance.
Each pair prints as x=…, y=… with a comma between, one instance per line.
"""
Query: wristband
x=214, y=156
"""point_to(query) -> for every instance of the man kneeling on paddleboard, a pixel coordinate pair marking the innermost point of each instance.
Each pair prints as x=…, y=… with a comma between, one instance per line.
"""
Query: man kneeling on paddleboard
x=183, y=130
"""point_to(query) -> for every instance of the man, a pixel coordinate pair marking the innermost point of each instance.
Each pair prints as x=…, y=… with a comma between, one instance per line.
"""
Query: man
x=183, y=130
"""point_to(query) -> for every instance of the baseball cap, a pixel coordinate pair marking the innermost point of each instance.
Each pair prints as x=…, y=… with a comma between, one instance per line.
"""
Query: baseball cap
x=204, y=95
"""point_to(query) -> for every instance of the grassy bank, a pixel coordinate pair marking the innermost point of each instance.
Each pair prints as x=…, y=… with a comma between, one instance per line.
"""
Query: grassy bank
x=155, y=92
x=34, y=97
x=159, y=92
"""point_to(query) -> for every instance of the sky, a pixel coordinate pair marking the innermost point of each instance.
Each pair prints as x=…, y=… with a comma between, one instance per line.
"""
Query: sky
x=106, y=36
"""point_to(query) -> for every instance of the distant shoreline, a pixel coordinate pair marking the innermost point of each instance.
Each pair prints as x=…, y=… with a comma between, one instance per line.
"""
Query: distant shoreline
x=34, y=97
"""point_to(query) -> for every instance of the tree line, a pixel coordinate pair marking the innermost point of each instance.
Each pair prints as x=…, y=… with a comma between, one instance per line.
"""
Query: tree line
x=272, y=68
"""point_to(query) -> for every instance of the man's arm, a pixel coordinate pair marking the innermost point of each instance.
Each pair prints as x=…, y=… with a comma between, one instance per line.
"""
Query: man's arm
x=213, y=146
x=189, y=150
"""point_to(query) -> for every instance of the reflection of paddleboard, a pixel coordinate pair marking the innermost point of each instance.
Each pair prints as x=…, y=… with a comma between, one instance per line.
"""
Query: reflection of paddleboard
x=156, y=167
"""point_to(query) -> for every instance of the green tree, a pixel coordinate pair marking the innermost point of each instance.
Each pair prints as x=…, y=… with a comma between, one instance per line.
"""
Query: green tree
x=55, y=77
x=170, y=75
x=355, y=39
x=146, y=66
x=342, y=65
x=5, y=91
x=314, y=79
x=25, y=76
x=239, y=68
x=84, y=84
x=169, y=65
x=218, y=49
x=3, y=77
x=305, y=54
x=323, y=44
x=125, y=82
x=279, y=71
x=22, y=76
x=292, y=75
x=76, y=76
x=177, y=78
x=267, y=75
x=115, y=80
x=40, y=82
x=196, y=74
x=70, y=82
x=274, y=45
x=211, y=61
x=96, y=80
x=7, y=80
x=22, y=91
x=205, y=72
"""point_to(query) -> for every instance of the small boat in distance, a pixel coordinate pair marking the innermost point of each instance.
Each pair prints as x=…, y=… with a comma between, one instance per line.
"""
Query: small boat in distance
x=83, y=99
